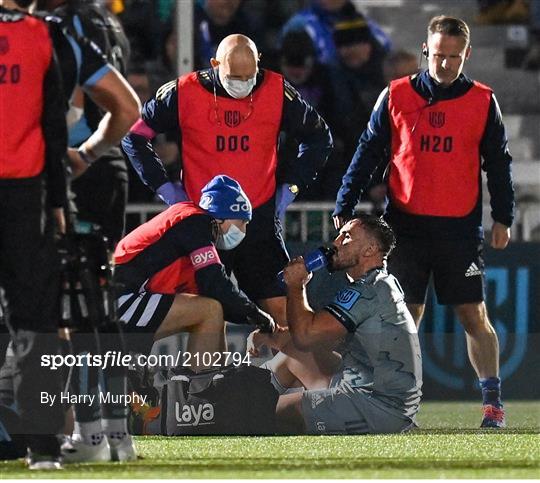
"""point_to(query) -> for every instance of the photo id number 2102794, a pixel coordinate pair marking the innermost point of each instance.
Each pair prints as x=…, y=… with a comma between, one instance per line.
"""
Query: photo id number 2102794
x=214, y=359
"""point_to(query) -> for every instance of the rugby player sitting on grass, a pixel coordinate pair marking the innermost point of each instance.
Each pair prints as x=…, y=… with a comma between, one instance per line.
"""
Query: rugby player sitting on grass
x=357, y=362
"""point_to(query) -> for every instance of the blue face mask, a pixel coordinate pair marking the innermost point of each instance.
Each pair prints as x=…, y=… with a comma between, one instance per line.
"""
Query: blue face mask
x=231, y=239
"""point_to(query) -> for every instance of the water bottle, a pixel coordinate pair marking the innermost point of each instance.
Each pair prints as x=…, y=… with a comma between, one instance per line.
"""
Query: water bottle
x=314, y=260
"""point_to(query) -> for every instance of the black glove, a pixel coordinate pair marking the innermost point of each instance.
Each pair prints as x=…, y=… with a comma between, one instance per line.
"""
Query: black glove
x=264, y=322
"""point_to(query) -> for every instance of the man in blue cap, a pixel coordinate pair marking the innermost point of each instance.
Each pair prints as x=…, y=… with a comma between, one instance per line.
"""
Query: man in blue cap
x=170, y=279
x=174, y=258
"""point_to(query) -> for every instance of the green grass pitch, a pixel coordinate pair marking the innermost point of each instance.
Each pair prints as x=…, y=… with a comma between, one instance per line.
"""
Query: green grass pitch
x=448, y=445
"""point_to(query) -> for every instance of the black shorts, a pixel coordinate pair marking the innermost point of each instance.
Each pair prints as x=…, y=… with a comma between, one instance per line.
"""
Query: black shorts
x=259, y=258
x=143, y=312
x=457, y=268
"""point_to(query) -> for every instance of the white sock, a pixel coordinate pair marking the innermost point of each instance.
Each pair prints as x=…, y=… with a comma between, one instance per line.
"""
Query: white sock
x=89, y=433
x=115, y=429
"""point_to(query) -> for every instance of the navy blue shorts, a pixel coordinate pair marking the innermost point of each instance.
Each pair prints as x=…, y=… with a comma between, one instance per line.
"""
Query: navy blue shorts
x=456, y=267
x=259, y=258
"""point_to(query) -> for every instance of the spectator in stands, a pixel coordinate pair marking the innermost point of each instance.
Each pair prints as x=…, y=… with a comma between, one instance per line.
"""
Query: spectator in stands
x=437, y=150
x=318, y=21
x=312, y=80
x=215, y=20
x=300, y=67
x=532, y=59
x=141, y=24
x=399, y=63
x=267, y=17
x=357, y=79
x=502, y=11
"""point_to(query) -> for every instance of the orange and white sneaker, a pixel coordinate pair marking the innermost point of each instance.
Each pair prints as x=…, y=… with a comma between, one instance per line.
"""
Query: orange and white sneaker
x=493, y=417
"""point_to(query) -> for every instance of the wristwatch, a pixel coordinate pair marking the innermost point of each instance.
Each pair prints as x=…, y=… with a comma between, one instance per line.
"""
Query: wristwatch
x=293, y=189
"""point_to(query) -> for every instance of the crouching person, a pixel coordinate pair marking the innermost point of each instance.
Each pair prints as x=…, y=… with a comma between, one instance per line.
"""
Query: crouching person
x=169, y=279
x=170, y=276
x=355, y=366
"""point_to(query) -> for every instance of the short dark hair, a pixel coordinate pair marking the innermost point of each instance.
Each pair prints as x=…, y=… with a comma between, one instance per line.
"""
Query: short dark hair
x=380, y=230
x=456, y=27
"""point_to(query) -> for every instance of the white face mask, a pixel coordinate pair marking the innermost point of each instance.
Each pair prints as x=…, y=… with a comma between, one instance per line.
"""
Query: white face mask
x=238, y=88
x=231, y=239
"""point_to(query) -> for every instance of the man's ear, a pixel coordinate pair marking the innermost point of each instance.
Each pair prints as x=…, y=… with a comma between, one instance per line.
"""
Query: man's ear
x=468, y=52
x=370, y=250
x=214, y=63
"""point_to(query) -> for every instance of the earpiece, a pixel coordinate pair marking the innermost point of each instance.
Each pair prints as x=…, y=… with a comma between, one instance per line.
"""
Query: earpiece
x=425, y=52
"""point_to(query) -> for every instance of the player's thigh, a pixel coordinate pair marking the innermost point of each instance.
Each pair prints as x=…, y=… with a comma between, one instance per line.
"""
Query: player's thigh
x=147, y=316
x=331, y=411
x=410, y=263
x=188, y=311
x=344, y=410
x=458, y=273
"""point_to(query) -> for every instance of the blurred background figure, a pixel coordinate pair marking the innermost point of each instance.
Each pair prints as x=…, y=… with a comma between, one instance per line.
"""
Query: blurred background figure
x=141, y=25
x=399, y=64
x=357, y=78
x=319, y=20
x=214, y=20
x=532, y=59
x=311, y=79
x=300, y=67
x=502, y=11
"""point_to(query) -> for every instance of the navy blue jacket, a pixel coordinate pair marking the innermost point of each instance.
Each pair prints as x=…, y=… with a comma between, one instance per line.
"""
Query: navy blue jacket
x=374, y=149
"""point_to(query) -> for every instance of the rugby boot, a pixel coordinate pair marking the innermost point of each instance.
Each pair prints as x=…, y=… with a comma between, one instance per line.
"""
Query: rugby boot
x=122, y=449
x=493, y=417
x=75, y=450
x=37, y=461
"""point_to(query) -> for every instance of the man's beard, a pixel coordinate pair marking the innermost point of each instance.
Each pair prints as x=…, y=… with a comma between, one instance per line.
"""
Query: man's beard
x=337, y=264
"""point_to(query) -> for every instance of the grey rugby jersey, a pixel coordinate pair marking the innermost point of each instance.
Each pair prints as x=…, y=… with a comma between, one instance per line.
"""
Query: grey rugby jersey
x=381, y=353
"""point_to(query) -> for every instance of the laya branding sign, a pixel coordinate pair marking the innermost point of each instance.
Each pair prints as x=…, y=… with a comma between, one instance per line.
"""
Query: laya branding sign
x=194, y=415
x=203, y=257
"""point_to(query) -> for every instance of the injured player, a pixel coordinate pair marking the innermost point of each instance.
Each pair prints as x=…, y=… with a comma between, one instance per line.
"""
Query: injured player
x=355, y=366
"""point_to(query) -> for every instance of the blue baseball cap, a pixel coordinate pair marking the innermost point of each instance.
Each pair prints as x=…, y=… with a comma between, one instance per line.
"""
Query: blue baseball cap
x=225, y=199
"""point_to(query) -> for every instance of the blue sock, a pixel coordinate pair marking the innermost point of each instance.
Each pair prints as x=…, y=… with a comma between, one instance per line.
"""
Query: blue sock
x=491, y=391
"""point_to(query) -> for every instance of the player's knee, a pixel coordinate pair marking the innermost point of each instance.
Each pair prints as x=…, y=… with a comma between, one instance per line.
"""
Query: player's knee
x=214, y=309
x=212, y=318
x=474, y=318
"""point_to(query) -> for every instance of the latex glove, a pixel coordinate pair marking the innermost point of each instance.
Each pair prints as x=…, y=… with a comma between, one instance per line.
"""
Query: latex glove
x=172, y=193
x=284, y=197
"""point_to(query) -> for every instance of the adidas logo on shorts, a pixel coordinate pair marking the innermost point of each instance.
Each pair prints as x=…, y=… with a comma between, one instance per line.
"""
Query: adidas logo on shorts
x=473, y=270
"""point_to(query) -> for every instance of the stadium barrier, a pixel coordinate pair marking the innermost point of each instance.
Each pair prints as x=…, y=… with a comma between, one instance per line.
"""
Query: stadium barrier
x=306, y=221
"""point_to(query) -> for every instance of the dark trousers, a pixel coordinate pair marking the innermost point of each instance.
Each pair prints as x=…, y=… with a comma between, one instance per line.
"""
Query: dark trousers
x=29, y=273
x=101, y=194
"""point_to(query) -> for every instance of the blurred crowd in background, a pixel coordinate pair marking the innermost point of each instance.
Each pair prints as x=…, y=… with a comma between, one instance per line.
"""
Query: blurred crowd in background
x=329, y=50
